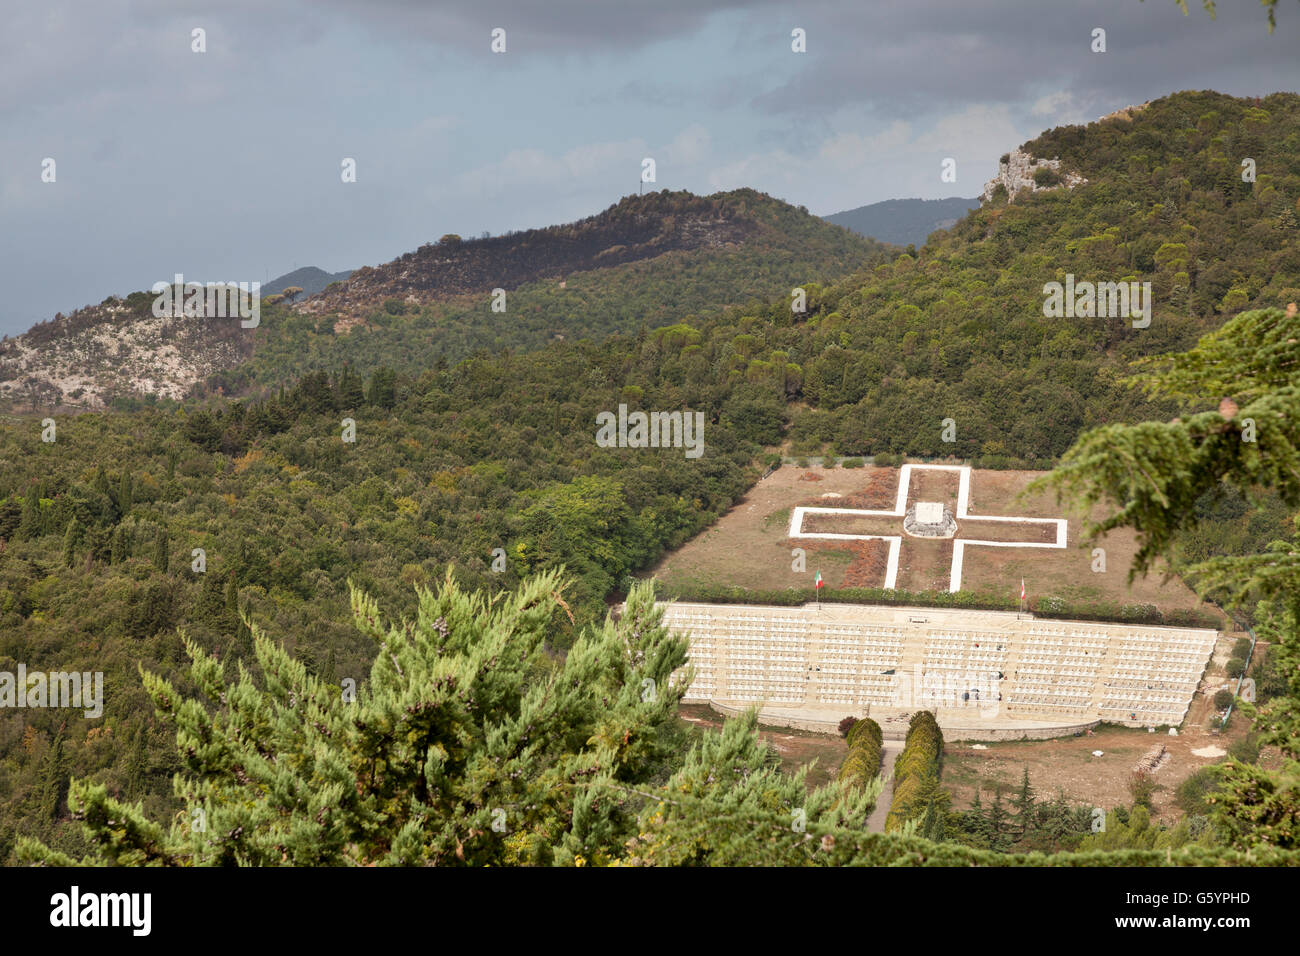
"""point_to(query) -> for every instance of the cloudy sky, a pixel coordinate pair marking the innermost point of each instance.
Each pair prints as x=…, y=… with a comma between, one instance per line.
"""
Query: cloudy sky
x=225, y=165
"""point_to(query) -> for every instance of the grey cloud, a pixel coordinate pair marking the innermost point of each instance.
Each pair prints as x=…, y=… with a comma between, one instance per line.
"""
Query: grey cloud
x=907, y=58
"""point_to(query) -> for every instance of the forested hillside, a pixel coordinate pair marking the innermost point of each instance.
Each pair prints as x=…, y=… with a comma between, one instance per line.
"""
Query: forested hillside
x=457, y=456
x=645, y=261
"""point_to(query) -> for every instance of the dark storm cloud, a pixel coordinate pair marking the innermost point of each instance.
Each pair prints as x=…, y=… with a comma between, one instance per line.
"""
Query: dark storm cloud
x=549, y=26
x=904, y=58
x=229, y=162
x=901, y=57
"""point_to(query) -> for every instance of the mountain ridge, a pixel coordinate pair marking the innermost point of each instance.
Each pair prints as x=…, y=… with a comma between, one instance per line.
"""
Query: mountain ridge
x=637, y=261
x=904, y=222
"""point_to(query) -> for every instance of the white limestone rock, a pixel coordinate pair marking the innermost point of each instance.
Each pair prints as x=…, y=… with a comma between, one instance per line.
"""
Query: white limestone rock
x=1017, y=174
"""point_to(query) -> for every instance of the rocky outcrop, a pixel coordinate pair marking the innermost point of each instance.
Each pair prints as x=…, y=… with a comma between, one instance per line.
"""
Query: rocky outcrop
x=1020, y=171
x=116, y=348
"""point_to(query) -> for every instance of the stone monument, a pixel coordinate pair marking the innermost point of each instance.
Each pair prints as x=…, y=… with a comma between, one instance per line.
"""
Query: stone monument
x=929, y=519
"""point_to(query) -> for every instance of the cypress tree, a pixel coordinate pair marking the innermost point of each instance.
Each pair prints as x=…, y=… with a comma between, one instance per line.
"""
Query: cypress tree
x=54, y=779
x=160, y=549
x=209, y=606
x=999, y=837
x=29, y=525
x=351, y=389
x=71, y=538
x=124, y=492
x=137, y=764
x=232, y=600
x=1024, y=804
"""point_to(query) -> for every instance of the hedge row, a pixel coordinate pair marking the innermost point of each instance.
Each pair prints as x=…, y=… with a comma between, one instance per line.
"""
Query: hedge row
x=1044, y=607
x=916, y=771
x=866, y=752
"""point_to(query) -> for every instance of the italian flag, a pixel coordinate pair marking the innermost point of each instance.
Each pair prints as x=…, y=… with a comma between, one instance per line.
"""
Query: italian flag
x=819, y=579
x=1022, y=589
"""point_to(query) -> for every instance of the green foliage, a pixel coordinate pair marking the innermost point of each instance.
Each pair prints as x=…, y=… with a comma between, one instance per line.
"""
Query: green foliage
x=468, y=744
x=1252, y=359
x=861, y=765
x=1141, y=790
x=916, y=772
x=1045, y=176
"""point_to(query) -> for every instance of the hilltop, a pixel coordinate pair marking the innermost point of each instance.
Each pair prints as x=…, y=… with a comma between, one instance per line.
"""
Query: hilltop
x=904, y=222
x=644, y=260
x=309, y=278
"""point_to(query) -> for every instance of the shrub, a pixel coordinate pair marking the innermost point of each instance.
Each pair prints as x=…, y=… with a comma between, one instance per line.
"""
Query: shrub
x=866, y=751
x=1049, y=604
x=1245, y=750
x=846, y=725
x=1236, y=667
x=864, y=729
x=801, y=463
x=1046, y=176
x=1222, y=699
x=852, y=463
x=1141, y=788
x=1270, y=680
x=917, y=769
x=1193, y=793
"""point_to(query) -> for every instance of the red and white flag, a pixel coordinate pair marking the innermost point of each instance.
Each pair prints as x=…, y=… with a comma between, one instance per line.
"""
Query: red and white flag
x=819, y=580
x=1022, y=589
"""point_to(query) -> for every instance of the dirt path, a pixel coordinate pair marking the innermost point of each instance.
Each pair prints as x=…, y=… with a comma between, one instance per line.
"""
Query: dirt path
x=876, y=822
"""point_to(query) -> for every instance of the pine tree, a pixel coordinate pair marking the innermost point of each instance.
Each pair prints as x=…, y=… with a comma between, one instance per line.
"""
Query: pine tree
x=469, y=744
x=1026, y=810
x=998, y=822
x=1150, y=476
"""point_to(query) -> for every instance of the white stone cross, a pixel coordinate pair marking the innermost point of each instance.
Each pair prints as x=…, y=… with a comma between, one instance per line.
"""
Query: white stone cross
x=933, y=514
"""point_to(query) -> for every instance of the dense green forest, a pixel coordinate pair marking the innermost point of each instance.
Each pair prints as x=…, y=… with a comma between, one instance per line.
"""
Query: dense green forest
x=475, y=432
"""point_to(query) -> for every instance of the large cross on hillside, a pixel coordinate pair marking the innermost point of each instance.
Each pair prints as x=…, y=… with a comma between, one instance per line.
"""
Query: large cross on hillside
x=986, y=530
